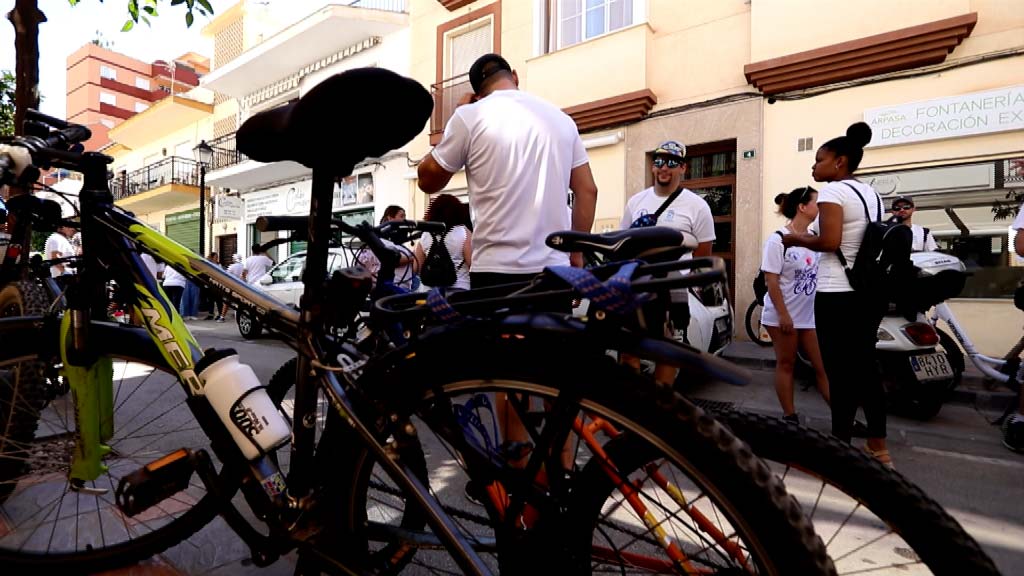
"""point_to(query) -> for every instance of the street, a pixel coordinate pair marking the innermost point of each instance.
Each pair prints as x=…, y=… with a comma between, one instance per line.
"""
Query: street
x=956, y=459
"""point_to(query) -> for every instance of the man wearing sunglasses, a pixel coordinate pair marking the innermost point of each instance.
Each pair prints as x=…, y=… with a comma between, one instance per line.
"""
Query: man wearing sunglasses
x=903, y=207
x=668, y=203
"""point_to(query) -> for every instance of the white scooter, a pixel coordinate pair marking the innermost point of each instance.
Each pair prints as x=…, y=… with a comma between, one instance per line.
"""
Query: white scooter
x=921, y=366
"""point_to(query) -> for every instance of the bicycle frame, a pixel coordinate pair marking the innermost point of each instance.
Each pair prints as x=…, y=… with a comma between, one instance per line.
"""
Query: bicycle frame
x=989, y=366
x=111, y=240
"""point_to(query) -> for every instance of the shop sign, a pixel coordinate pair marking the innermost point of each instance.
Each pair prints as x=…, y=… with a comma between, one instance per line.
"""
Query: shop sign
x=985, y=112
x=287, y=199
x=227, y=208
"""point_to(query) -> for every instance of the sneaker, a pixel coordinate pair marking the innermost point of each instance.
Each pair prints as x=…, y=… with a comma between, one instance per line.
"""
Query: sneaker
x=859, y=430
x=794, y=418
x=220, y=319
x=1013, y=433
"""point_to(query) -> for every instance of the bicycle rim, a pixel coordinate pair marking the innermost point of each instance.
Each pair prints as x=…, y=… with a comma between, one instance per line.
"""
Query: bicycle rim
x=741, y=531
x=45, y=524
x=873, y=520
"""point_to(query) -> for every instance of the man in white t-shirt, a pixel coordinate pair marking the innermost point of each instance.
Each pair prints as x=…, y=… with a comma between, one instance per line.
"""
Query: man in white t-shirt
x=256, y=266
x=522, y=155
x=687, y=212
x=903, y=206
x=58, y=245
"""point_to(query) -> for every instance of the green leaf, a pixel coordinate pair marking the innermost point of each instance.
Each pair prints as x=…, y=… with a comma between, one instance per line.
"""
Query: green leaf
x=176, y=2
x=128, y=24
x=188, y=19
x=146, y=20
x=150, y=10
x=133, y=9
x=74, y=2
x=206, y=5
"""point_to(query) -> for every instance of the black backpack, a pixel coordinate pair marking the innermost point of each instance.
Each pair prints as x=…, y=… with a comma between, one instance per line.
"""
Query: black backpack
x=760, y=285
x=883, y=268
x=438, y=270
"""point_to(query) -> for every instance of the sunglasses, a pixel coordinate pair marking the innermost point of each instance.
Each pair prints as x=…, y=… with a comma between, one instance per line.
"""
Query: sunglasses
x=670, y=162
x=902, y=208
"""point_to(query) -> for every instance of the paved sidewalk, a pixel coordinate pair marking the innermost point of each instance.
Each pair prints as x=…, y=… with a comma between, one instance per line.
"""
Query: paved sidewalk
x=975, y=389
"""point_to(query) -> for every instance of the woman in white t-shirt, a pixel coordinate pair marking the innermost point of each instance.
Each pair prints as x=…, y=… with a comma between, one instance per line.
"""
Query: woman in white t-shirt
x=847, y=321
x=791, y=275
x=458, y=239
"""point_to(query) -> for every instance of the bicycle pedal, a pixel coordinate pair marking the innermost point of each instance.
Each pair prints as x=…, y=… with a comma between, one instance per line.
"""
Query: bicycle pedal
x=155, y=482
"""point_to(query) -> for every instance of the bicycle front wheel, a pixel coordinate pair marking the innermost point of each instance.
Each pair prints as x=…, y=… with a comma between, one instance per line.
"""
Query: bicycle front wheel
x=872, y=519
x=44, y=523
x=715, y=508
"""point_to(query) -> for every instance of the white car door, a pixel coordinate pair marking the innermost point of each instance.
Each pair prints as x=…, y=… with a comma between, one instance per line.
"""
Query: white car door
x=286, y=279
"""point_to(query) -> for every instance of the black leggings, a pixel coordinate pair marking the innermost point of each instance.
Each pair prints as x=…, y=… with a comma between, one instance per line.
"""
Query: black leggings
x=847, y=326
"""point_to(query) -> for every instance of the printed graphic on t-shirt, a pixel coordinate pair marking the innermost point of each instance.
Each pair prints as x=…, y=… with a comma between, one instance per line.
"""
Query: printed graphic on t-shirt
x=669, y=215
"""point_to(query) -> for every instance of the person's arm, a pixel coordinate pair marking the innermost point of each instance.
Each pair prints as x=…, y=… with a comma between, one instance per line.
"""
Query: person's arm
x=704, y=230
x=1018, y=245
x=584, y=205
x=467, y=250
x=52, y=253
x=830, y=232
x=775, y=293
x=432, y=177
x=420, y=255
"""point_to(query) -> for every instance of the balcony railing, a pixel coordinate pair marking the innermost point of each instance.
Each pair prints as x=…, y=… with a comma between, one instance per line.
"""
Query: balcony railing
x=224, y=152
x=173, y=170
x=386, y=5
x=446, y=95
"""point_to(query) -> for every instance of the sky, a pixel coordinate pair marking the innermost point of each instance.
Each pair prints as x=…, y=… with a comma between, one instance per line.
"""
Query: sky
x=67, y=29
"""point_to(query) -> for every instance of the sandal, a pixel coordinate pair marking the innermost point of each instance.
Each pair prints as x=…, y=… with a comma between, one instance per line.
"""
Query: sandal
x=882, y=456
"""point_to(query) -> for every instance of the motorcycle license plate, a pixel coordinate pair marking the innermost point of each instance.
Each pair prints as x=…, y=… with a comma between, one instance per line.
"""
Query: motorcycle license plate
x=931, y=367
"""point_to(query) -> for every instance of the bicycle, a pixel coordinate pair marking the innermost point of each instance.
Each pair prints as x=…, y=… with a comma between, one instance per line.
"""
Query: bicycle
x=373, y=418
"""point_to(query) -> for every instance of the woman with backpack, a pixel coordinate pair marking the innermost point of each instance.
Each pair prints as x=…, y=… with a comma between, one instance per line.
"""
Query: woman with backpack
x=444, y=260
x=791, y=276
x=847, y=320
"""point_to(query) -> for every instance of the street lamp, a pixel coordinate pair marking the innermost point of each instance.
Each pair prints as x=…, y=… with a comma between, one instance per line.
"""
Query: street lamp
x=204, y=156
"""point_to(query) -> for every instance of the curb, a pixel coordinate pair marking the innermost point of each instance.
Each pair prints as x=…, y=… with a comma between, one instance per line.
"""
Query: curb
x=971, y=391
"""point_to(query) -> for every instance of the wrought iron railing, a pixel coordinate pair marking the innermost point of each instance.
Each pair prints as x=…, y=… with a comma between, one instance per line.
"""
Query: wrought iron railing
x=446, y=96
x=224, y=152
x=172, y=170
x=386, y=5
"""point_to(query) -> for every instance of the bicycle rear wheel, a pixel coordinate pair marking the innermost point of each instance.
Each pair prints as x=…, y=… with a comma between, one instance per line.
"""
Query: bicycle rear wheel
x=755, y=331
x=748, y=524
x=44, y=524
x=872, y=519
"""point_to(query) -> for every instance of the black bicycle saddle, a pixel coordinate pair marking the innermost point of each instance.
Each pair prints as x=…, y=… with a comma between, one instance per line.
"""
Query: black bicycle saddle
x=653, y=244
x=357, y=114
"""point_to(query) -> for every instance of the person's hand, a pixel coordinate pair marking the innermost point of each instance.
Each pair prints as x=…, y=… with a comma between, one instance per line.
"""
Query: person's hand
x=576, y=259
x=467, y=98
x=785, y=323
x=789, y=240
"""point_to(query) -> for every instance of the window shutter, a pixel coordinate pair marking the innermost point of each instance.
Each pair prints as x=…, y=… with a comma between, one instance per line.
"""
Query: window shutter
x=467, y=47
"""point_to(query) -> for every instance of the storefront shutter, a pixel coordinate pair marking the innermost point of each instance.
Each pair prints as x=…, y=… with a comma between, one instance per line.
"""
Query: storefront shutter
x=183, y=228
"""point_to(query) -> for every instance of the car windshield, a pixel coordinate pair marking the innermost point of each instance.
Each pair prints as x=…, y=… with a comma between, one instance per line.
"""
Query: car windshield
x=290, y=270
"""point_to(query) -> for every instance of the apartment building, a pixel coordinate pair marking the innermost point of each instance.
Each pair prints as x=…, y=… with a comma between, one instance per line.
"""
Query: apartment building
x=942, y=85
x=263, y=59
x=105, y=87
x=752, y=87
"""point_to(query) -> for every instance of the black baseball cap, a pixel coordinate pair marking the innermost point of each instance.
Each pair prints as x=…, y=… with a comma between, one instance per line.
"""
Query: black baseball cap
x=902, y=200
x=485, y=67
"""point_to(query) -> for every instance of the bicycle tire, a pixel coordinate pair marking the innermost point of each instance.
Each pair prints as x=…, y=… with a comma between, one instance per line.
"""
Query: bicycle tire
x=118, y=341
x=933, y=535
x=770, y=519
x=24, y=393
x=751, y=322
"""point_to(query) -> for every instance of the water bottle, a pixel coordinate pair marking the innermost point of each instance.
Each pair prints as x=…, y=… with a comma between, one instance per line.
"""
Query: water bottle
x=243, y=406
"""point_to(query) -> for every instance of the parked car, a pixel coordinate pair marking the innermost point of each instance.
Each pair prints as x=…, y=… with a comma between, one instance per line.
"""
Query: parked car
x=284, y=282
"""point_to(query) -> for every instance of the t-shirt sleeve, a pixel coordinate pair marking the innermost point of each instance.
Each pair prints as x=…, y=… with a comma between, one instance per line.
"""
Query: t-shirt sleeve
x=930, y=245
x=704, y=224
x=830, y=194
x=579, y=153
x=452, y=151
x=51, y=247
x=627, y=215
x=771, y=260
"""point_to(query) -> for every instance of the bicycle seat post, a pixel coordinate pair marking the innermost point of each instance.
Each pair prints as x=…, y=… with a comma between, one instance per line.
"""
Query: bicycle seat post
x=310, y=319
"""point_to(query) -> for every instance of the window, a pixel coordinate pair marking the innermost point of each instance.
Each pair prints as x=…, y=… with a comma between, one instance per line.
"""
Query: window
x=290, y=270
x=142, y=83
x=468, y=45
x=579, y=20
x=461, y=46
x=140, y=107
x=108, y=98
x=108, y=72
